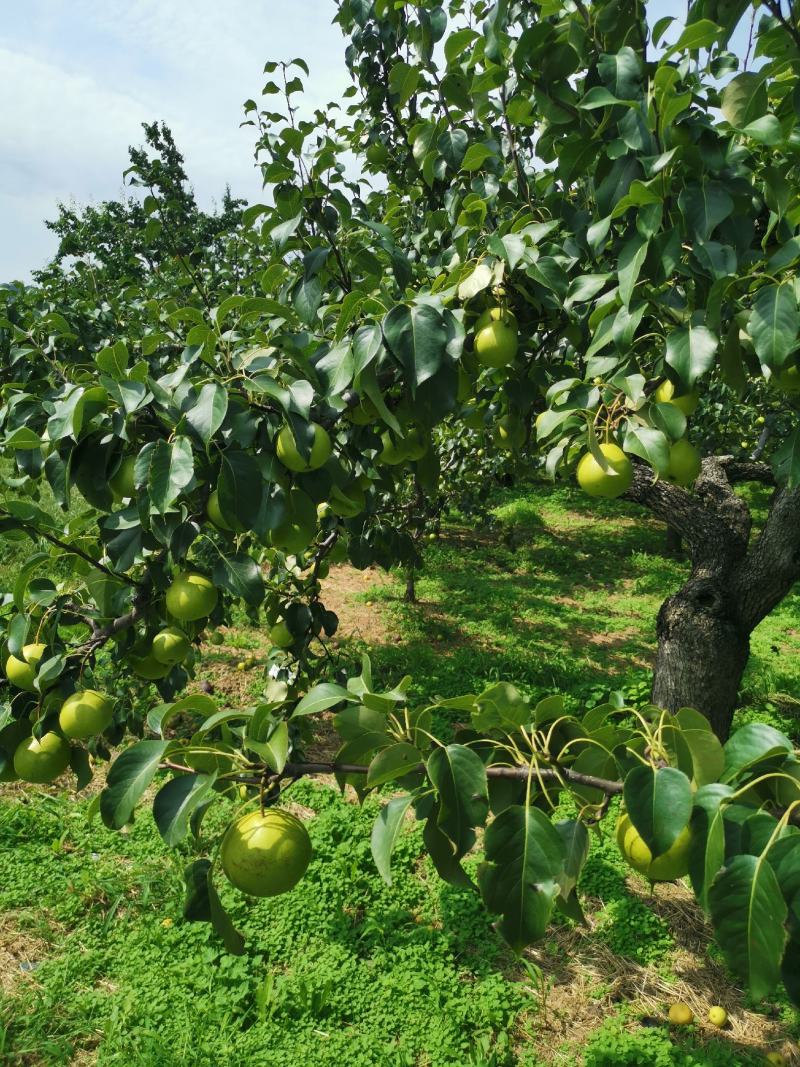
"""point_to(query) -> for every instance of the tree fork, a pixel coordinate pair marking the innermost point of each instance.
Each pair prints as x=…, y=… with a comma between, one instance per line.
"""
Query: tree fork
x=704, y=628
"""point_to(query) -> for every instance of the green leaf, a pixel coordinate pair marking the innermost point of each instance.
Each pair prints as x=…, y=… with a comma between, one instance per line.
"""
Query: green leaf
x=23, y=438
x=476, y=155
x=459, y=777
x=385, y=832
x=417, y=337
x=336, y=369
x=767, y=130
x=159, y=717
x=500, y=707
x=774, y=323
x=440, y=850
x=307, y=297
x=130, y=774
x=700, y=34
x=790, y=968
x=659, y=803
x=240, y=487
x=704, y=207
x=520, y=879
x=207, y=414
x=165, y=468
x=744, y=99
x=367, y=343
x=598, y=96
x=241, y=576
x=320, y=698
x=392, y=762
x=708, y=757
x=752, y=743
x=575, y=838
x=707, y=842
x=113, y=360
x=174, y=803
x=403, y=81
x=691, y=351
x=452, y=145
x=748, y=912
x=648, y=443
x=272, y=748
x=203, y=904
x=621, y=72
x=786, y=460
x=475, y=282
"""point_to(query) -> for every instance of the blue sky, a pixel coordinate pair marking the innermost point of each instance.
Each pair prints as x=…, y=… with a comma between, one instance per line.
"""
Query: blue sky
x=78, y=78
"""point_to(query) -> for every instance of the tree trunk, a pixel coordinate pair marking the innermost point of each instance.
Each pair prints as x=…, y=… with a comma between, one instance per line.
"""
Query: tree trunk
x=410, y=596
x=704, y=629
x=702, y=652
x=673, y=542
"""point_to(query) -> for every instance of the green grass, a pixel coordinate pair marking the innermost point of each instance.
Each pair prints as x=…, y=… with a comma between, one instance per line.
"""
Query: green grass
x=562, y=595
x=557, y=595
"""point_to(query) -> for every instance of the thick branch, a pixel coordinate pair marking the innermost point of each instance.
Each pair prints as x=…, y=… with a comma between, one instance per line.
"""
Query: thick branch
x=747, y=470
x=772, y=565
x=714, y=489
x=698, y=524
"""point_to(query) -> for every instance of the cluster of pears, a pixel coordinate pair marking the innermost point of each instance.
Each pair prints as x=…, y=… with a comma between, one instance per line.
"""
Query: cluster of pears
x=298, y=527
x=685, y=461
x=190, y=598
x=82, y=715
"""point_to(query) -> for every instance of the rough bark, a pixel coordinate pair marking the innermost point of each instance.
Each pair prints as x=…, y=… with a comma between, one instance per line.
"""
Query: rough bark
x=410, y=595
x=704, y=628
x=702, y=652
x=673, y=545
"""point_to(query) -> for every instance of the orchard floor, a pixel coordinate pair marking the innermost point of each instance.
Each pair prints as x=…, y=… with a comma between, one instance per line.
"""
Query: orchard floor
x=98, y=967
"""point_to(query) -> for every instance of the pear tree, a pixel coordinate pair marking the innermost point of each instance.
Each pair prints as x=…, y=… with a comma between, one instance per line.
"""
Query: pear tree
x=556, y=223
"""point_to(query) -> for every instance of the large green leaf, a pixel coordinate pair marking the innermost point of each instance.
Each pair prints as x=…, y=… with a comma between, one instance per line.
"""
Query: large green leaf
x=394, y=761
x=240, y=575
x=773, y=325
x=750, y=745
x=202, y=904
x=385, y=832
x=207, y=414
x=165, y=468
x=174, y=803
x=442, y=855
x=500, y=707
x=130, y=774
x=520, y=879
x=575, y=838
x=240, y=487
x=659, y=803
x=748, y=912
x=707, y=844
x=459, y=776
x=417, y=336
x=320, y=698
x=708, y=757
x=704, y=207
x=631, y=260
x=786, y=461
x=744, y=99
x=691, y=351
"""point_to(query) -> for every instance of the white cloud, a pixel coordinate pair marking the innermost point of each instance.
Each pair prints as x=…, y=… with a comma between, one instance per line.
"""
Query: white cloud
x=84, y=76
